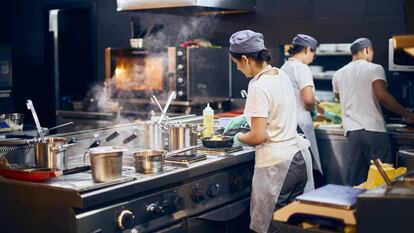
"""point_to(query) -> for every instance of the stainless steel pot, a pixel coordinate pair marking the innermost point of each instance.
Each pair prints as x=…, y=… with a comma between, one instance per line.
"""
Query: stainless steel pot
x=106, y=163
x=50, y=153
x=152, y=161
x=152, y=136
x=149, y=161
x=182, y=136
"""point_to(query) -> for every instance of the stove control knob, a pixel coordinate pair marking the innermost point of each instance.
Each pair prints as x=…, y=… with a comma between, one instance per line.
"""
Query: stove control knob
x=180, y=53
x=180, y=93
x=213, y=190
x=197, y=194
x=180, y=66
x=180, y=80
x=155, y=209
x=125, y=220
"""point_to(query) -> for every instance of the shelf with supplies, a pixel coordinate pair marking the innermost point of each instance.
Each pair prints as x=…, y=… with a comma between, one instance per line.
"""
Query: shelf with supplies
x=330, y=49
x=329, y=58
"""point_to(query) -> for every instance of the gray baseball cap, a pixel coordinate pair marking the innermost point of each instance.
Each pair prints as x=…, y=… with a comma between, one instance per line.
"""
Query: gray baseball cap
x=246, y=41
x=305, y=41
x=360, y=44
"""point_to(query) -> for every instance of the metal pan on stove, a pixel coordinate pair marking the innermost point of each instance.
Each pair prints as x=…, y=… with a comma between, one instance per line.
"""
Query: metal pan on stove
x=217, y=141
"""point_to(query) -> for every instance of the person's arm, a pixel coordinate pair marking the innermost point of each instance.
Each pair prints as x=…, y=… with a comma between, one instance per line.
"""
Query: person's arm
x=257, y=133
x=306, y=94
x=386, y=99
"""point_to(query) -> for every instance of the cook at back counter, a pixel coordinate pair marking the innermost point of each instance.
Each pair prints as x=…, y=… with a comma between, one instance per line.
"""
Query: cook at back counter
x=361, y=86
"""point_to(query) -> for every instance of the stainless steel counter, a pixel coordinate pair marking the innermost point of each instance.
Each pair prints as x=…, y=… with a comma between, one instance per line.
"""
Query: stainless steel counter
x=332, y=145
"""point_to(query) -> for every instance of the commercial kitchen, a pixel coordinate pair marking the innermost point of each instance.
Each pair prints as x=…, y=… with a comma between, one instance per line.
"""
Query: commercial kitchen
x=134, y=116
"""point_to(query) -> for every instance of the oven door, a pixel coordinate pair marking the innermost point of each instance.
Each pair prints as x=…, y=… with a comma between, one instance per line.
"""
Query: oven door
x=230, y=218
x=136, y=73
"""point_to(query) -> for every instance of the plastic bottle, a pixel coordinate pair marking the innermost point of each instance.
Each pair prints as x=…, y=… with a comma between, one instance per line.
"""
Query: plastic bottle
x=208, y=121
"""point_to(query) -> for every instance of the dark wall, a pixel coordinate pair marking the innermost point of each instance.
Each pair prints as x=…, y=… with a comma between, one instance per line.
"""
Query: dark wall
x=330, y=21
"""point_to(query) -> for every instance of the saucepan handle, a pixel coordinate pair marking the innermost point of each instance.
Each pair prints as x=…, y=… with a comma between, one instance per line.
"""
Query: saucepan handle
x=175, y=152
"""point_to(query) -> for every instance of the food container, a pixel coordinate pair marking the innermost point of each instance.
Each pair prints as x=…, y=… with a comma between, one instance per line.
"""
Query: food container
x=106, y=163
x=50, y=153
x=149, y=161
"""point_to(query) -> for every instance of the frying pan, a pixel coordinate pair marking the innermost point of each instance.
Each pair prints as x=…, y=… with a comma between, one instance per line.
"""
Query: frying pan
x=226, y=141
x=39, y=174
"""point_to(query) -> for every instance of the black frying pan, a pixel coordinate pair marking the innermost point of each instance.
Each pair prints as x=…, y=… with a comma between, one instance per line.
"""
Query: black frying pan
x=210, y=142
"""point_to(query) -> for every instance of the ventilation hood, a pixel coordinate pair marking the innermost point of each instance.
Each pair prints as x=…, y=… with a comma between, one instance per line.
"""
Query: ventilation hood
x=188, y=6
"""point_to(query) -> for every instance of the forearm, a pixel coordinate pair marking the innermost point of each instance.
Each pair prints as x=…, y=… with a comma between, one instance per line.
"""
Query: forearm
x=391, y=104
x=252, y=138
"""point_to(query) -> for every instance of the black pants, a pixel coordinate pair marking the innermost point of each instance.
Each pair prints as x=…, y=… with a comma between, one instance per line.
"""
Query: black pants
x=293, y=185
x=364, y=146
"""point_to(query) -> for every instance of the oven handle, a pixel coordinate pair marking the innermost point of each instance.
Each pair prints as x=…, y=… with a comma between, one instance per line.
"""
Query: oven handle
x=228, y=212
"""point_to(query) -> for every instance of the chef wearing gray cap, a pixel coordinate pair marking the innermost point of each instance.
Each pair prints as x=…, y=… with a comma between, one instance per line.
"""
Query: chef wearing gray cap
x=302, y=53
x=361, y=86
x=280, y=172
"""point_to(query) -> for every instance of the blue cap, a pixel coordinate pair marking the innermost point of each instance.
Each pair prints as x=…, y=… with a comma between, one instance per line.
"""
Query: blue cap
x=305, y=41
x=246, y=41
x=360, y=44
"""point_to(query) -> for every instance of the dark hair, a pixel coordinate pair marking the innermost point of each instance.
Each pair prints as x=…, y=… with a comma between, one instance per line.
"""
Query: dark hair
x=262, y=55
x=294, y=49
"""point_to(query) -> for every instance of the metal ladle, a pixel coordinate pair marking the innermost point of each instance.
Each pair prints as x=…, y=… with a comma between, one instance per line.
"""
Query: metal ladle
x=30, y=106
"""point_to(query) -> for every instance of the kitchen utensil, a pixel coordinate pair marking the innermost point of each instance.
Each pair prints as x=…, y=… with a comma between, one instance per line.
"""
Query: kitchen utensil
x=106, y=163
x=384, y=175
x=49, y=154
x=151, y=136
x=39, y=175
x=182, y=136
x=58, y=126
x=167, y=105
x=217, y=141
x=30, y=106
x=151, y=161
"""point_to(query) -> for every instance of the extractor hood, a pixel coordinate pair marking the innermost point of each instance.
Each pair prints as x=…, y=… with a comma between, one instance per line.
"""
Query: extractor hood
x=188, y=6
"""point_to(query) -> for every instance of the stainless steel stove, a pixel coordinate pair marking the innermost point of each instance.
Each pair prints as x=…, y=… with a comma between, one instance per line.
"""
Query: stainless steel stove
x=211, y=194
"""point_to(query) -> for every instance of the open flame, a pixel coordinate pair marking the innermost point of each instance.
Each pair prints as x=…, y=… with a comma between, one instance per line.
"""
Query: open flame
x=139, y=73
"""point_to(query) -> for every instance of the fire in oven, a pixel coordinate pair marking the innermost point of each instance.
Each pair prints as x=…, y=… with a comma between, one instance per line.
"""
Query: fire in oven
x=196, y=74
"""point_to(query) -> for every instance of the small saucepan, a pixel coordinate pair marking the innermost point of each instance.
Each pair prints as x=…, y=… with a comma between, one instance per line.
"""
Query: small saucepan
x=217, y=141
x=152, y=161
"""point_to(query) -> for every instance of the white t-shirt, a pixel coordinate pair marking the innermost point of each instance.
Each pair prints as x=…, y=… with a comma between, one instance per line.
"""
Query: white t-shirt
x=360, y=107
x=301, y=76
x=271, y=97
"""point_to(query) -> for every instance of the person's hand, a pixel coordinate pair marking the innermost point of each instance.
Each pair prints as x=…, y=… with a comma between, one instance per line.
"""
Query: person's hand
x=333, y=117
x=236, y=123
x=236, y=140
x=409, y=119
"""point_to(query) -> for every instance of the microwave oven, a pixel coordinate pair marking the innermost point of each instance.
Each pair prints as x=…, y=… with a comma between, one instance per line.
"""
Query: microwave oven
x=195, y=74
x=401, y=53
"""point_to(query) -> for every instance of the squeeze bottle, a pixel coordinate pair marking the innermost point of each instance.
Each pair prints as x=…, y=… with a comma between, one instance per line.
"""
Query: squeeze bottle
x=208, y=121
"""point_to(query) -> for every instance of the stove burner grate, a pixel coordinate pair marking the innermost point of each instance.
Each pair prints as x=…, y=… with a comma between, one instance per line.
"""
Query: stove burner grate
x=219, y=151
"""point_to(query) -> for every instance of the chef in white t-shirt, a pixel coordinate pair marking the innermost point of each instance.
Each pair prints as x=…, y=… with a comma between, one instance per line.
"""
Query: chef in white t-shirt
x=281, y=172
x=361, y=86
x=302, y=53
